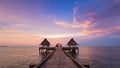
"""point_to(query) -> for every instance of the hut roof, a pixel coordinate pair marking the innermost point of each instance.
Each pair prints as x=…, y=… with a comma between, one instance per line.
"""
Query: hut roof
x=72, y=42
x=45, y=42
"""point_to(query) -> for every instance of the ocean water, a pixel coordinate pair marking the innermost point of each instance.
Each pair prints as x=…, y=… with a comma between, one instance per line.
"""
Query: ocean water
x=100, y=56
x=18, y=57
x=95, y=56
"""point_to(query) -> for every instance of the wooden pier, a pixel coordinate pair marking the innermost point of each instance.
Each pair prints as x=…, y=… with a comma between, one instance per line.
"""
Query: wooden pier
x=58, y=57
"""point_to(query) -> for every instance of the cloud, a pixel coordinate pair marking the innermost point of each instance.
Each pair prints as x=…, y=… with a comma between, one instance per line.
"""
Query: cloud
x=97, y=20
x=19, y=18
x=17, y=37
x=19, y=15
x=118, y=28
x=22, y=15
x=104, y=19
x=86, y=24
x=96, y=32
x=109, y=12
x=15, y=33
x=117, y=1
x=102, y=32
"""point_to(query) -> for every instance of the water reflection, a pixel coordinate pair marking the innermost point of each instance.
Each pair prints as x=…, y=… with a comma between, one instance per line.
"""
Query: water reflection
x=18, y=57
x=100, y=57
x=96, y=57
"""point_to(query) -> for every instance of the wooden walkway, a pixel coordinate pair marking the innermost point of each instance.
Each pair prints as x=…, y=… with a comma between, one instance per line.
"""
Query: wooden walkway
x=59, y=60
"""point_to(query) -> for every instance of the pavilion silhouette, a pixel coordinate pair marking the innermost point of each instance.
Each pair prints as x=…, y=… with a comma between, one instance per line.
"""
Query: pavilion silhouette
x=45, y=43
x=72, y=42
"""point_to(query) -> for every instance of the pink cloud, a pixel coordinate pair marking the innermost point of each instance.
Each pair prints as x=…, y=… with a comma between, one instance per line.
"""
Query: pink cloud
x=117, y=28
x=84, y=25
x=101, y=32
x=101, y=22
x=96, y=32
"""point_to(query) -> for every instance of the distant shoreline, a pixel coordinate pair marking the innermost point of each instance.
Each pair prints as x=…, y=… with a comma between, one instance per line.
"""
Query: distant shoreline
x=19, y=46
x=3, y=46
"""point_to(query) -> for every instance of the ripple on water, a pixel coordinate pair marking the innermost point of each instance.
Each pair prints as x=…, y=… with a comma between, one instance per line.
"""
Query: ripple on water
x=96, y=57
x=17, y=57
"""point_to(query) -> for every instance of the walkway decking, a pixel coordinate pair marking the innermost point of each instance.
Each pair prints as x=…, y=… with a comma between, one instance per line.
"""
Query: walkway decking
x=59, y=60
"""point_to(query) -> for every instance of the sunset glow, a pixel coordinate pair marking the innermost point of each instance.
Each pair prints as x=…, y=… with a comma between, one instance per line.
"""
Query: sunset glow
x=24, y=22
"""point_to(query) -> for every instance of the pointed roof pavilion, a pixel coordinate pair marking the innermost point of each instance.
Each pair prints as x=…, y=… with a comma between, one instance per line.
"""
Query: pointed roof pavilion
x=45, y=42
x=72, y=42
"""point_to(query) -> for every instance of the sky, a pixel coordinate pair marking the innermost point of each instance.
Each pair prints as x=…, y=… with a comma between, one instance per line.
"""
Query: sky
x=89, y=22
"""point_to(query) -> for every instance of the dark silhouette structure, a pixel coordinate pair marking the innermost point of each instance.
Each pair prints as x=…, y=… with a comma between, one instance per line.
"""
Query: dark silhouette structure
x=44, y=50
x=59, y=45
x=45, y=43
x=73, y=51
x=72, y=42
x=57, y=57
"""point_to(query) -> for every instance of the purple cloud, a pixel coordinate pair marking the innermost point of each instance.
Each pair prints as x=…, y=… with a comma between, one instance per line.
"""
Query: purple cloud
x=104, y=17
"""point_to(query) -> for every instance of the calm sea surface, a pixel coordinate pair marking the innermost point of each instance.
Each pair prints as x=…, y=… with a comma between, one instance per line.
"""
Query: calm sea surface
x=95, y=56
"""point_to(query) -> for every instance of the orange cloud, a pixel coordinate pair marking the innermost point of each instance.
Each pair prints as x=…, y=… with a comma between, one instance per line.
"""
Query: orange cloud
x=85, y=28
x=93, y=32
x=84, y=25
x=100, y=32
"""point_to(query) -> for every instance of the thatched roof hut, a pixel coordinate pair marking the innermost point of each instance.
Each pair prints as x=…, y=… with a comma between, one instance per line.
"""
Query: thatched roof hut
x=45, y=42
x=72, y=42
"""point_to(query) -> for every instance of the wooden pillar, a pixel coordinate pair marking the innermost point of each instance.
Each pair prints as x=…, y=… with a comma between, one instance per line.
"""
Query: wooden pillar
x=78, y=50
x=39, y=51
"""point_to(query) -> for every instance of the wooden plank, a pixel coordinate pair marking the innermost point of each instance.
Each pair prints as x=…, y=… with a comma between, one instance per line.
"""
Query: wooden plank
x=68, y=48
x=49, y=48
x=59, y=60
x=41, y=62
